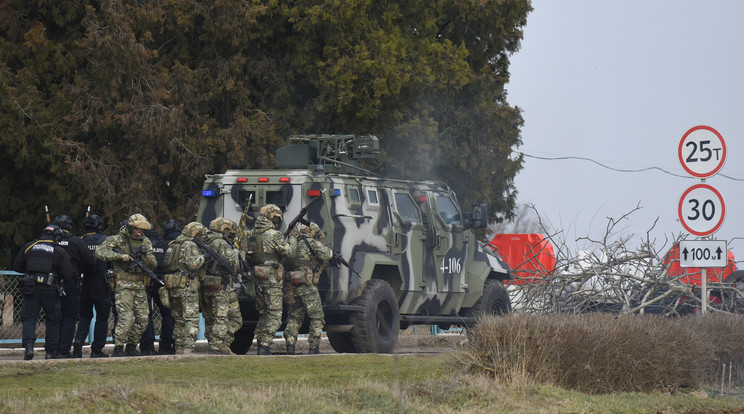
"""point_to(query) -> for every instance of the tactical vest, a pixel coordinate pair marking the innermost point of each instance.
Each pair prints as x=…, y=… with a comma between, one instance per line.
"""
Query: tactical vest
x=172, y=254
x=253, y=247
x=40, y=258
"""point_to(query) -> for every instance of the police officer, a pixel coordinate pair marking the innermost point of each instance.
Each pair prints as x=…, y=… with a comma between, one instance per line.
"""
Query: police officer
x=217, y=288
x=95, y=293
x=83, y=260
x=269, y=274
x=311, y=256
x=46, y=266
x=184, y=266
x=130, y=297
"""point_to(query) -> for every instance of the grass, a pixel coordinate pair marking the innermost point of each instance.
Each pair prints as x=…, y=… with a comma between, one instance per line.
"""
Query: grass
x=419, y=383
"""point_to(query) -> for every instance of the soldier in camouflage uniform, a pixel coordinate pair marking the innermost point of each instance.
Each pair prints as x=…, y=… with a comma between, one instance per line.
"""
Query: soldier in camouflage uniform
x=269, y=275
x=130, y=282
x=310, y=258
x=217, y=287
x=184, y=271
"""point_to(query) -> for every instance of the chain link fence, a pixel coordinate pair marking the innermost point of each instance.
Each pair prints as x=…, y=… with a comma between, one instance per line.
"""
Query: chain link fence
x=11, y=326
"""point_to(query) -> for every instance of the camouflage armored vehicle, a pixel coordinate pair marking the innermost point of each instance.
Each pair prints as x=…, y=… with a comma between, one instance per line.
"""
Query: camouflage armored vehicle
x=412, y=258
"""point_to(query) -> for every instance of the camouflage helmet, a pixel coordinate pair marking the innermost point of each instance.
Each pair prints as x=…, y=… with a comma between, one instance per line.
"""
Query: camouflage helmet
x=312, y=230
x=270, y=211
x=223, y=225
x=138, y=221
x=194, y=229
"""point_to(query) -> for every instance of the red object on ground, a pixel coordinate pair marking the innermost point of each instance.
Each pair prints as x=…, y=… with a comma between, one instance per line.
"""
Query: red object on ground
x=530, y=256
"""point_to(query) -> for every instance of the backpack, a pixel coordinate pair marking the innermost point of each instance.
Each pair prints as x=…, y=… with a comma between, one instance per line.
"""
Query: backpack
x=170, y=261
x=252, y=245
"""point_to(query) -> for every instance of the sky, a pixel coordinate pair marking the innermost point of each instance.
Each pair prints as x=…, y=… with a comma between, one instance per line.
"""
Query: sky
x=620, y=82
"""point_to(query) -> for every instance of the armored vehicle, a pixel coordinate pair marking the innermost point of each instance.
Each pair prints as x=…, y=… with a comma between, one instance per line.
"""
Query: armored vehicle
x=412, y=258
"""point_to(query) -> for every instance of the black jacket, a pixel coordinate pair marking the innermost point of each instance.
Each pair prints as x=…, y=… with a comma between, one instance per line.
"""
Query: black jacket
x=43, y=256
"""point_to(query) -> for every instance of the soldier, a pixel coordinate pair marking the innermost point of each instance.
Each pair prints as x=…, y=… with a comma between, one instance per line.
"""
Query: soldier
x=46, y=266
x=94, y=294
x=311, y=256
x=184, y=267
x=269, y=275
x=83, y=260
x=147, y=342
x=166, y=346
x=130, y=297
x=217, y=289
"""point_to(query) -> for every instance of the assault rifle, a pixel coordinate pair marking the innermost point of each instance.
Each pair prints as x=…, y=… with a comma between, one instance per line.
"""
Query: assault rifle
x=219, y=260
x=300, y=218
x=338, y=260
x=137, y=263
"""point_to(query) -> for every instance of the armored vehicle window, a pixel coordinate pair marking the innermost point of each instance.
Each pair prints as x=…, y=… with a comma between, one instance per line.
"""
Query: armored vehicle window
x=244, y=196
x=407, y=208
x=353, y=195
x=372, y=197
x=448, y=211
x=276, y=197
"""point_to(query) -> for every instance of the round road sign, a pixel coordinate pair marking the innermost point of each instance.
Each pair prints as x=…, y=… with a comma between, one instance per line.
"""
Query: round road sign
x=702, y=151
x=701, y=210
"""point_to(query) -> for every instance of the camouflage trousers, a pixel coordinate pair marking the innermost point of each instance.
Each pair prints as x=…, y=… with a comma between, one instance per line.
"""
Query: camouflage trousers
x=184, y=305
x=133, y=313
x=307, y=300
x=270, y=319
x=215, y=306
x=234, y=316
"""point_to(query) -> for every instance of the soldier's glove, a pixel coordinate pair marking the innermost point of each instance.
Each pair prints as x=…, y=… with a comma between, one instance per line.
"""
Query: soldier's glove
x=294, y=232
x=125, y=258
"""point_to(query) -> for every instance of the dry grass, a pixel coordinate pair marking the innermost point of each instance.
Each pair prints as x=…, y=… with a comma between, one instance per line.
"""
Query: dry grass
x=599, y=353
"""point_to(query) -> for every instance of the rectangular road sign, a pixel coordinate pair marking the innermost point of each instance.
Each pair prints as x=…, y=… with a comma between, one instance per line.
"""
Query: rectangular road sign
x=702, y=253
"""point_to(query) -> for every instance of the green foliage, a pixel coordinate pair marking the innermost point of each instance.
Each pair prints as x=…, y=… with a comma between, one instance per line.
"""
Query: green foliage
x=125, y=106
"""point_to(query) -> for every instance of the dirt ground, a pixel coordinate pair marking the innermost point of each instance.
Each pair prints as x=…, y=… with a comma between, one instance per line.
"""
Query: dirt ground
x=406, y=344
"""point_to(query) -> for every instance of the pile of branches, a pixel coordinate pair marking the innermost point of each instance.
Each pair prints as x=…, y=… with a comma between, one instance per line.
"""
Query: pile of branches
x=607, y=275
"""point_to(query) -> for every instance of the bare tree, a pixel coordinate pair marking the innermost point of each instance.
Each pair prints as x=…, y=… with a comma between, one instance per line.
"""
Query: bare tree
x=613, y=276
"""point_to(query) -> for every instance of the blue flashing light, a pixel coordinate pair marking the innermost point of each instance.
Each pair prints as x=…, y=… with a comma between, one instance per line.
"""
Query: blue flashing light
x=207, y=193
x=336, y=192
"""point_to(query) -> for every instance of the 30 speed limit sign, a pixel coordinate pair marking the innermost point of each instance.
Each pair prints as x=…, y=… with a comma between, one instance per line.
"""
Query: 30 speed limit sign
x=701, y=210
x=702, y=151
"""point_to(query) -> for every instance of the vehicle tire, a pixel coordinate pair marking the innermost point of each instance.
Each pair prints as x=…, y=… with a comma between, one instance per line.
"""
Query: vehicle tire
x=495, y=300
x=243, y=340
x=376, y=328
x=734, y=302
x=341, y=342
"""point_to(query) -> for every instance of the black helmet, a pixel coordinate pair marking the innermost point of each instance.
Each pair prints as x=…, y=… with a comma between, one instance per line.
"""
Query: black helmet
x=93, y=223
x=63, y=221
x=53, y=231
x=171, y=226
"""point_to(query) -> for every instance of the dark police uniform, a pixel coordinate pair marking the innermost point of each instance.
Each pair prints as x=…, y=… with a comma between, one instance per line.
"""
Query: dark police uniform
x=83, y=260
x=95, y=293
x=45, y=265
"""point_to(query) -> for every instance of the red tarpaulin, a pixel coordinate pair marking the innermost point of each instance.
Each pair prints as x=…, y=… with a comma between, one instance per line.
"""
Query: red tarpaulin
x=529, y=256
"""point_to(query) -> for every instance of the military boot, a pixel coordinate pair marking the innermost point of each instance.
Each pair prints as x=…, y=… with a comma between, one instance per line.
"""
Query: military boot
x=77, y=350
x=263, y=350
x=52, y=355
x=131, y=350
x=29, y=354
x=118, y=351
x=313, y=351
x=290, y=349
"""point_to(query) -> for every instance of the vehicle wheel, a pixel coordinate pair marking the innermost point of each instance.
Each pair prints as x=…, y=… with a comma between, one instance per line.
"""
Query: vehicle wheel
x=734, y=301
x=243, y=340
x=376, y=328
x=341, y=342
x=495, y=300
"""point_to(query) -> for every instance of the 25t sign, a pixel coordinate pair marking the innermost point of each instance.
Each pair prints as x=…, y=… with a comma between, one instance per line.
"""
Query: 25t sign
x=702, y=151
x=701, y=210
